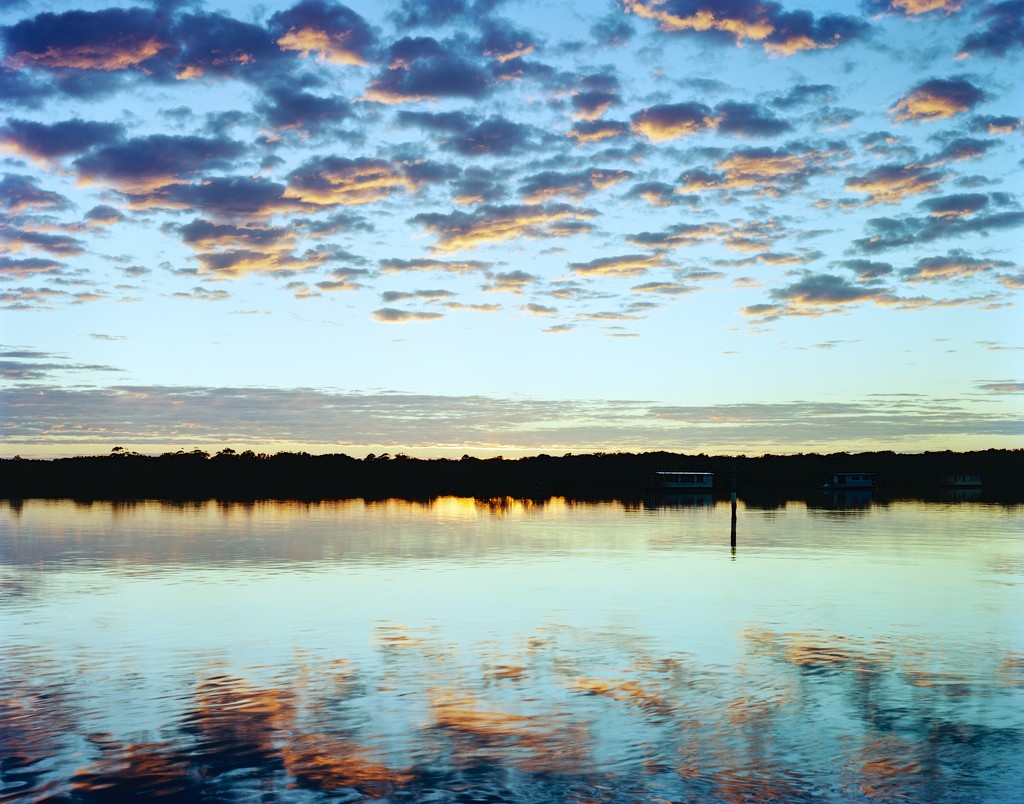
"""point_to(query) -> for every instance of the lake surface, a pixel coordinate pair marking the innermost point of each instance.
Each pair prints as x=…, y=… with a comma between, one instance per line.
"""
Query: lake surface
x=483, y=651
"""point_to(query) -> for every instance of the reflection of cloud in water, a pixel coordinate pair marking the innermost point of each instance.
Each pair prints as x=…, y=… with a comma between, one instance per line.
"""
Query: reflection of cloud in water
x=566, y=714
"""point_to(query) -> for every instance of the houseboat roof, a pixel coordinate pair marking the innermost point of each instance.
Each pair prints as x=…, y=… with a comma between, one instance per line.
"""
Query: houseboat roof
x=684, y=472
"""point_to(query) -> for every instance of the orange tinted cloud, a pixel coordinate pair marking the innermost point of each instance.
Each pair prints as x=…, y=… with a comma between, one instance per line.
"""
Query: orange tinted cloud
x=624, y=265
x=781, y=33
x=890, y=184
x=334, y=48
x=597, y=130
x=756, y=25
x=235, y=263
x=673, y=120
x=937, y=99
x=336, y=180
x=770, y=171
x=914, y=7
x=955, y=265
x=460, y=230
x=550, y=183
x=115, y=55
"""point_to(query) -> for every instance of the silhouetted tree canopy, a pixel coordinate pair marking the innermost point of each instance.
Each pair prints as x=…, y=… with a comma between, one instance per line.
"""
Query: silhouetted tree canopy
x=196, y=474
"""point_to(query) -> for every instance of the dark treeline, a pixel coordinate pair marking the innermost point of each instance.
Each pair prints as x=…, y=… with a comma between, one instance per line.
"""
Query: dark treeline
x=287, y=475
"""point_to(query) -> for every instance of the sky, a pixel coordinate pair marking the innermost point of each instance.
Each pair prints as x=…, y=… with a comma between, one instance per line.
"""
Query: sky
x=447, y=227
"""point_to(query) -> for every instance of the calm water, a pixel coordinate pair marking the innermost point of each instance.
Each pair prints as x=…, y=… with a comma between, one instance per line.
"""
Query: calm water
x=469, y=651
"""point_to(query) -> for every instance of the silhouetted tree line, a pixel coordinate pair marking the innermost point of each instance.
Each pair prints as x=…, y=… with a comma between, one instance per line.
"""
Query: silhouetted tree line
x=299, y=475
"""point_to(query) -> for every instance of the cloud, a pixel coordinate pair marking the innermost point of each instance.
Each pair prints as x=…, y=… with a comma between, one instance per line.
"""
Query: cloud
x=392, y=315
x=436, y=13
x=768, y=171
x=779, y=32
x=393, y=266
x=333, y=31
x=612, y=30
x=477, y=308
x=202, y=233
x=11, y=268
x=622, y=265
x=955, y=265
x=748, y=120
x=110, y=39
x=25, y=298
x=487, y=224
x=165, y=416
x=680, y=234
x=510, y=282
x=392, y=296
x=200, y=293
x=551, y=183
x=437, y=122
x=657, y=193
x=998, y=124
x=48, y=142
x=333, y=180
x=288, y=108
x=1003, y=31
x=19, y=193
x=596, y=94
x=147, y=163
x=59, y=244
x=868, y=271
x=22, y=370
x=503, y=42
x=103, y=215
x=223, y=197
x=597, y=130
x=1003, y=387
x=495, y=136
x=672, y=120
x=539, y=309
x=890, y=184
x=477, y=185
x=962, y=149
x=955, y=206
x=805, y=95
x=421, y=69
x=590, y=105
x=815, y=294
x=664, y=288
x=887, y=233
x=232, y=251
x=344, y=279
x=218, y=45
x=937, y=99
x=912, y=8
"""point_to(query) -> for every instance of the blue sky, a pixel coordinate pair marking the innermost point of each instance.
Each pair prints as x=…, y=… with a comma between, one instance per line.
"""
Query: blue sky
x=501, y=227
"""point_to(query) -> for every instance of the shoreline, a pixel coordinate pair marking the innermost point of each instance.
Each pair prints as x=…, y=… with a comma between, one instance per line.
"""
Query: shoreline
x=300, y=476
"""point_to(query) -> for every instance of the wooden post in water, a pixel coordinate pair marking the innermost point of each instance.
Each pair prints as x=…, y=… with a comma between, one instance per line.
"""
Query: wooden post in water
x=732, y=484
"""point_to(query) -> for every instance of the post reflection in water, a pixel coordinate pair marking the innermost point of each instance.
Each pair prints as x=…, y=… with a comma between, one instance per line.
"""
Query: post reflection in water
x=462, y=650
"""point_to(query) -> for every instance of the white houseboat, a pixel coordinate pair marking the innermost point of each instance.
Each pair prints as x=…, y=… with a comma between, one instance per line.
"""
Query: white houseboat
x=849, y=481
x=682, y=481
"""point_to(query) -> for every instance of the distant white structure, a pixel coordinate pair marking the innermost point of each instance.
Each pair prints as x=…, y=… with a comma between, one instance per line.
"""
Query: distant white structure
x=683, y=480
x=842, y=481
x=962, y=481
